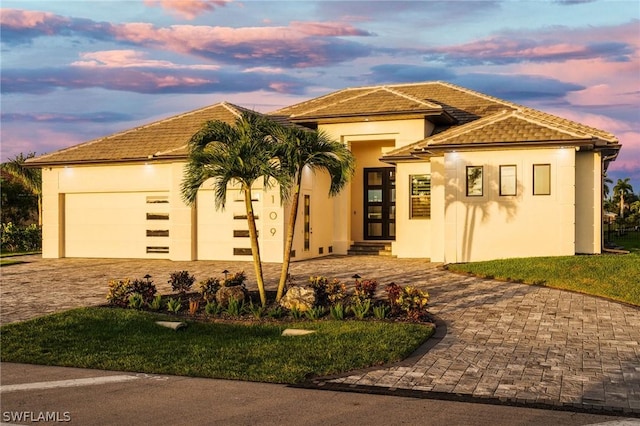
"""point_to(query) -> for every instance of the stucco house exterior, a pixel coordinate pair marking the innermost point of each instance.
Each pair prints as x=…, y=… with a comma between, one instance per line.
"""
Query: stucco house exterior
x=442, y=172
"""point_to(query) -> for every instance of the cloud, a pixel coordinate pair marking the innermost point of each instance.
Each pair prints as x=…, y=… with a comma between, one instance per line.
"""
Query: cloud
x=188, y=9
x=131, y=59
x=298, y=45
x=406, y=73
x=145, y=80
x=56, y=117
x=554, y=44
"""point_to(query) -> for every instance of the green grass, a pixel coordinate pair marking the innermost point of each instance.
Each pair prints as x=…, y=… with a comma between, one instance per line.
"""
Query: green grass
x=630, y=241
x=7, y=259
x=128, y=340
x=615, y=277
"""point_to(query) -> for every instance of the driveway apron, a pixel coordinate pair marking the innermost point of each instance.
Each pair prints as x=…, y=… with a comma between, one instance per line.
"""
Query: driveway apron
x=504, y=341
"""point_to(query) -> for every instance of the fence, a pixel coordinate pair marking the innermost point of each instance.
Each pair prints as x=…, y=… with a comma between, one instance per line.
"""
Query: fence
x=619, y=236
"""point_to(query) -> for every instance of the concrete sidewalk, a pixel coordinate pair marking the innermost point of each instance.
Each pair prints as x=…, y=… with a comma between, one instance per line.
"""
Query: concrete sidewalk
x=499, y=341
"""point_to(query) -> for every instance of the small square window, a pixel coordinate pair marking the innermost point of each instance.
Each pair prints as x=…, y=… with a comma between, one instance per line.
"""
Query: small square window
x=474, y=181
x=508, y=180
x=541, y=179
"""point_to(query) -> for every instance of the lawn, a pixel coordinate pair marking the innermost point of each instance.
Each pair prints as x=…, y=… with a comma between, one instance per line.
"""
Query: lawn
x=129, y=340
x=615, y=277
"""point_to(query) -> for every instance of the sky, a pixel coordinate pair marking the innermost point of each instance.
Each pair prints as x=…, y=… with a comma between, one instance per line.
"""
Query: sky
x=73, y=71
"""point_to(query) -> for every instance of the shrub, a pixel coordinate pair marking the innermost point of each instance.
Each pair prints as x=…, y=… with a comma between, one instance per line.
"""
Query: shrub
x=315, y=313
x=194, y=306
x=208, y=288
x=296, y=313
x=236, y=279
x=181, y=281
x=156, y=303
x=361, y=309
x=380, y=311
x=174, y=305
x=275, y=312
x=136, y=301
x=146, y=288
x=393, y=294
x=212, y=308
x=20, y=238
x=365, y=290
x=119, y=291
x=413, y=302
x=337, y=311
x=319, y=285
x=336, y=291
x=256, y=310
x=234, y=308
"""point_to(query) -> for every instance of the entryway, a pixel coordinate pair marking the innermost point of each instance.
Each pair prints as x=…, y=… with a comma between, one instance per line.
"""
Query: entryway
x=379, y=203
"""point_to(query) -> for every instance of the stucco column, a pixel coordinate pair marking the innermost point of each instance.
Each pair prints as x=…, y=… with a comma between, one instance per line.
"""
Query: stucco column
x=183, y=229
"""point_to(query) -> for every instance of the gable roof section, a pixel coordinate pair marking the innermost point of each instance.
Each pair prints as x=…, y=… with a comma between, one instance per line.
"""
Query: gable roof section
x=166, y=138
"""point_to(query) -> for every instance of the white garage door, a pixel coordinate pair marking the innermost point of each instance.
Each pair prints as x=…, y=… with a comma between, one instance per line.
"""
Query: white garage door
x=117, y=225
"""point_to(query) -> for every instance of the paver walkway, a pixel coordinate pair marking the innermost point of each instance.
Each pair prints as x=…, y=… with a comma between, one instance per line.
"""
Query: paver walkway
x=504, y=341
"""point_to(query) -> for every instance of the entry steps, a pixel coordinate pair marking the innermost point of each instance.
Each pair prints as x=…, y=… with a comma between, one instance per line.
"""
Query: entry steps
x=368, y=248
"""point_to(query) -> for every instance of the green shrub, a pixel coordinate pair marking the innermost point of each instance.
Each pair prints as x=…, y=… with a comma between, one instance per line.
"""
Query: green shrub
x=336, y=291
x=275, y=312
x=315, y=313
x=361, y=309
x=156, y=303
x=20, y=238
x=136, y=301
x=208, y=288
x=365, y=290
x=212, y=308
x=181, y=281
x=256, y=310
x=234, y=308
x=174, y=305
x=380, y=311
x=119, y=291
x=413, y=302
x=296, y=313
x=337, y=311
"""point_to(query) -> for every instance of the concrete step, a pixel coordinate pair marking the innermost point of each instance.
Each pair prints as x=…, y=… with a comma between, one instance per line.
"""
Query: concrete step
x=370, y=249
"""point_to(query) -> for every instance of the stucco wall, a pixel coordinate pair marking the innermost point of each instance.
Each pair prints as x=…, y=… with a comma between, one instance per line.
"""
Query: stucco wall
x=588, y=202
x=493, y=226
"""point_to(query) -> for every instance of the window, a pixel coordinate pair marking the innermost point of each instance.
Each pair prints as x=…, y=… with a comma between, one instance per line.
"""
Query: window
x=541, y=179
x=474, y=181
x=420, y=206
x=508, y=180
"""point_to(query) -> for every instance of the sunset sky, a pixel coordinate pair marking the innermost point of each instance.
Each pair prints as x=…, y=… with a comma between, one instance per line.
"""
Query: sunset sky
x=76, y=70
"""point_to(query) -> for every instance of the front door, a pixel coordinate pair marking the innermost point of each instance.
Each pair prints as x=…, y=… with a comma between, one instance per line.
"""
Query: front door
x=380, y=203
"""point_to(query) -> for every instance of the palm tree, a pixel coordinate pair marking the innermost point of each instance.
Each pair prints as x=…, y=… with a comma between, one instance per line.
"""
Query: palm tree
x=605, y=188
x=29, y=178
x=622, y=188
x=300, y=148
x=239, y=154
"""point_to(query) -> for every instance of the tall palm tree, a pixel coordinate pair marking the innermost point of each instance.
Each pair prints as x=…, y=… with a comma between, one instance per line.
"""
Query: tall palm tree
x=300, y=148
x=29, y=178
x=622, y=188
x=239, y=154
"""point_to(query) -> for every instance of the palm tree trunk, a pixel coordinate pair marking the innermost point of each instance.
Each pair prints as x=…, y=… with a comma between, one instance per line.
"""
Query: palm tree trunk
x=621, y=205
x=291, y=227
x=255, y=248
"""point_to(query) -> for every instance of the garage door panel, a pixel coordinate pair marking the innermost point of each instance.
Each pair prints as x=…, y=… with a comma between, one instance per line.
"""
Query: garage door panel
x=111, y=225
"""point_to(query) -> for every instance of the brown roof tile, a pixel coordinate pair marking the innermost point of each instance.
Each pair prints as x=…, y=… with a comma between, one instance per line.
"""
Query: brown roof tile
x=164, y=138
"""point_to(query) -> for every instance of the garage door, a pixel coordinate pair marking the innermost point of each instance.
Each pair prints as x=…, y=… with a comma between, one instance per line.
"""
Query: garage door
x=117, y=225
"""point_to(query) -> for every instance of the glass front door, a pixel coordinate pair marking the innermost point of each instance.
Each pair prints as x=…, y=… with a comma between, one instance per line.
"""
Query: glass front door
x=380, y=203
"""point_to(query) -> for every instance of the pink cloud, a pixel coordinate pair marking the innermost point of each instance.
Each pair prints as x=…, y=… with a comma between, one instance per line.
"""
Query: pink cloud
x=13, y=18
x=188, y=9
x=130, y=59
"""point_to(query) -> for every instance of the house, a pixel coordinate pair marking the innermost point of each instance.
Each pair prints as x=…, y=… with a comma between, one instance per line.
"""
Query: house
x=443, y=172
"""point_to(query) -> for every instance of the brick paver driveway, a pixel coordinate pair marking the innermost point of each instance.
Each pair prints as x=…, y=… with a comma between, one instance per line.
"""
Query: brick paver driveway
x=505, y=341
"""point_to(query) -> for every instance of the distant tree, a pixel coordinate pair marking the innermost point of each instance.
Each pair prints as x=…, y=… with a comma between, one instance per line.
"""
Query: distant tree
x=29, y=178
x=622, y=189
x=239, y=154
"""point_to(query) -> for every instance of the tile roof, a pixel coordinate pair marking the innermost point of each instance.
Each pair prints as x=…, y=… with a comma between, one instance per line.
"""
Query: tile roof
x=166, y=138
x=462, y=117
